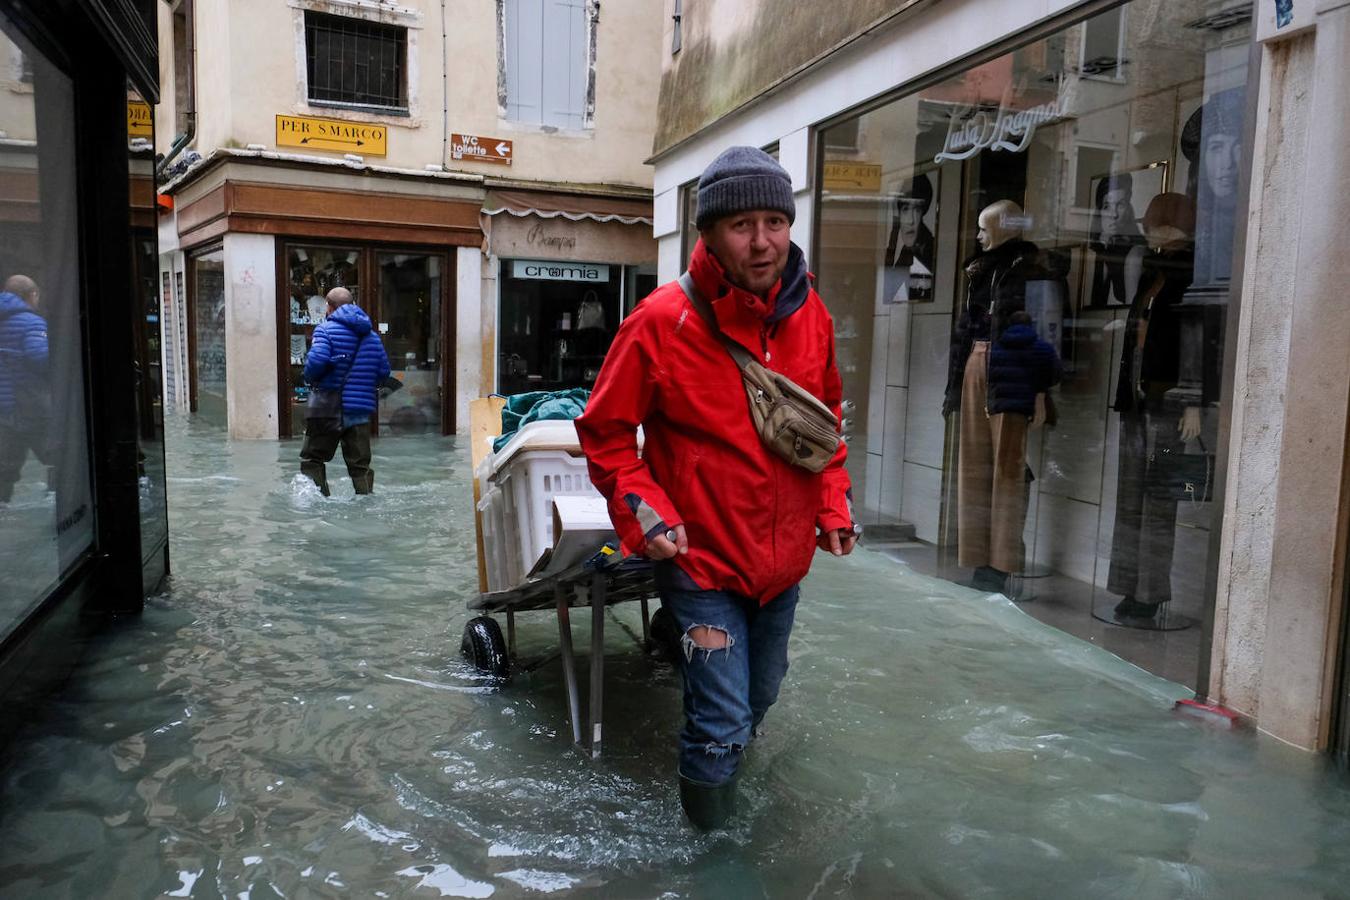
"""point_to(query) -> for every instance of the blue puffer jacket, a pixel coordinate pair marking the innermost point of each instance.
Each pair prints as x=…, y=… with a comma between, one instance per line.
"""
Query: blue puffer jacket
x=1021, y=366
x=335, y=348
x=23, y=351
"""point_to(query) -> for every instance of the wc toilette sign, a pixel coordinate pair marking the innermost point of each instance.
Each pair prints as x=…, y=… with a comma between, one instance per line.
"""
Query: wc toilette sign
x=972, y=130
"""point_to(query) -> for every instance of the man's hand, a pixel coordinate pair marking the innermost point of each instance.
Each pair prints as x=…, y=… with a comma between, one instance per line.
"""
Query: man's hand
x=838, y=541
x=1039, y=417
x=1189, y=426
x=662, y=547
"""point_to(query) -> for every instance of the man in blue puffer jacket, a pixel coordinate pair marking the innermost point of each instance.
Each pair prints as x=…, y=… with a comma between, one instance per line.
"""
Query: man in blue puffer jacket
x=346, y=355
x=25, y=406
x=1021, y=367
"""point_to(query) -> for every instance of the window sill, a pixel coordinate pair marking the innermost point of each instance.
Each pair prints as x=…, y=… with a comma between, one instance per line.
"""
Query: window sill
x=585, y=132
x=388, y=112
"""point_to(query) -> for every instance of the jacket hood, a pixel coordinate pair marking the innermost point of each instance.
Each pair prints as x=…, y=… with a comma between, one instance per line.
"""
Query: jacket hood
x=353, y=317
x=785, y=297
x=1018, y=336
x=11, y=304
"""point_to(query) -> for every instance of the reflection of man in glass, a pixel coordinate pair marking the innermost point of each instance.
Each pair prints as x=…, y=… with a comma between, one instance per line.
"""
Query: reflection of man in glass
x=910, y=251
x=1116, y=242
x=25, y=404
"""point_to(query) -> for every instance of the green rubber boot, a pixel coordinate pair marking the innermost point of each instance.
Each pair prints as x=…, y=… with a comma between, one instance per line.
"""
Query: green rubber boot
x=708, y=806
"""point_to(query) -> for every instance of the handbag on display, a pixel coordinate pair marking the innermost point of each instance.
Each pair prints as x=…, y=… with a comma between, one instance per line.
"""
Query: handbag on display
x=790, y=420
x=1176, y=475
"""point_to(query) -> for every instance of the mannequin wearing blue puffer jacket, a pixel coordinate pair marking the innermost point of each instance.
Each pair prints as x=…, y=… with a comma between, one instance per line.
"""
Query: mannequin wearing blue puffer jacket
x=348, y=356
x=25, y=402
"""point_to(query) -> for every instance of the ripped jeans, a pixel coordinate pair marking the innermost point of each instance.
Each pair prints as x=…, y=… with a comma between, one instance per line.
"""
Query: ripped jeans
x=726, y=691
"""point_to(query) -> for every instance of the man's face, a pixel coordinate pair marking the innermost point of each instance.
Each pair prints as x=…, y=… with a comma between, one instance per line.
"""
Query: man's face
x=752, y=247
x=911, y=217
x=1117, y=213
x=1221, y=163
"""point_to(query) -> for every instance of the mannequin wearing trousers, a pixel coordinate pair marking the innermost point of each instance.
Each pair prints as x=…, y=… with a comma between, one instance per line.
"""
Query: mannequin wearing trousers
x=1144, y=537
x=991, y=470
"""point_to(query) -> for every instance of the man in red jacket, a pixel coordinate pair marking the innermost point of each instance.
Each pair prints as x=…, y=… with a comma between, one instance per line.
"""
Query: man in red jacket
x=732, y=525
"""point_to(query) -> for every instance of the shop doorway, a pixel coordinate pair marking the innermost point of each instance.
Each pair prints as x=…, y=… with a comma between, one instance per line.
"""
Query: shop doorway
x=206, y=335
x=406, y=293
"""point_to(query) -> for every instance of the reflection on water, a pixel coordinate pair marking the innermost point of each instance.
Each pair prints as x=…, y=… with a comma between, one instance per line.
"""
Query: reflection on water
x=291, y=718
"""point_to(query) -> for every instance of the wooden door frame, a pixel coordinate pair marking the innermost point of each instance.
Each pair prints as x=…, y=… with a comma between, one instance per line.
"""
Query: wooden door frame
x=448, y=335
x=369, y=276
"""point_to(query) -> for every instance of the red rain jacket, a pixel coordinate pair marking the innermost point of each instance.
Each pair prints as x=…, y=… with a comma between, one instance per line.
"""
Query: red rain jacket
x=750, y=518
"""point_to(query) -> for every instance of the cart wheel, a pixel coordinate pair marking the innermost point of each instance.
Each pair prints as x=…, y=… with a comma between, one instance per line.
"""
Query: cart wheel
x=665, y=636
x=484, y=646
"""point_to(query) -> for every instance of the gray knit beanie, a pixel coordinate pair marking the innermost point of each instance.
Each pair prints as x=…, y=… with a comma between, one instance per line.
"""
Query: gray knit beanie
x=741, y=179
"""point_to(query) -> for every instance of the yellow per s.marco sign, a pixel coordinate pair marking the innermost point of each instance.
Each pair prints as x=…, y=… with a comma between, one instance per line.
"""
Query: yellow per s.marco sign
x=140, y=120
x=332, y=135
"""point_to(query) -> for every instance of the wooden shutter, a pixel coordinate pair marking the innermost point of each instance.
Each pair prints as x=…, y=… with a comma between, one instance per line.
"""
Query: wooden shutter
x=524, y=59
x=564, y=55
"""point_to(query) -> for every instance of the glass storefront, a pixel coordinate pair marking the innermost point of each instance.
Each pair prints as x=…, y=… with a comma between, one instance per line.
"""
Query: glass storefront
x=1028, y=265
x=410, y=307
x=206, y=311
x=46, y=499
x=150, y=472
x=557, y=321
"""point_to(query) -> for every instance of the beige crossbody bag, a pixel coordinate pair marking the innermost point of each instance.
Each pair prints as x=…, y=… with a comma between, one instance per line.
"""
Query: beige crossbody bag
x=791, y=422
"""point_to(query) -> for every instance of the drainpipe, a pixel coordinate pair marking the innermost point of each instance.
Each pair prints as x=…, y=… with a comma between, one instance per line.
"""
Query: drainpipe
x=180, y=142
x=445, y=95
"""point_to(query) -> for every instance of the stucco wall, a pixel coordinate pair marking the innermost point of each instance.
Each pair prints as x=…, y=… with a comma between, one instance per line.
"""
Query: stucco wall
x=250, y=65
x=251, y=335
x=732, y=50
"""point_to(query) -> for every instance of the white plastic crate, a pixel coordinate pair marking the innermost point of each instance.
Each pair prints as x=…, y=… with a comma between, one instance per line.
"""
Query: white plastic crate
x=541, y=461
x=491, y=509
x=528, y=483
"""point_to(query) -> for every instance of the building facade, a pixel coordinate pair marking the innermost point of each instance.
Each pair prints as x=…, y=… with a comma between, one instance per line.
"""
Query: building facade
x=979, y=184
x=83, y=522
x=474, y=174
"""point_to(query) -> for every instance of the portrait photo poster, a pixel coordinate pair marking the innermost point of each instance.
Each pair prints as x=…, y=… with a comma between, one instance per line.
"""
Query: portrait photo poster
x=909, y=258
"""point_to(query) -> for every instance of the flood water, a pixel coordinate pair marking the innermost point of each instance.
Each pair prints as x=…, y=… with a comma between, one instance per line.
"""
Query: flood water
x=291, y=718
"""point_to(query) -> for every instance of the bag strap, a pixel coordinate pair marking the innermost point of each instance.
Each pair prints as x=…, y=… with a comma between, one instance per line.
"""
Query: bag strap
x=704, y=309
x=352, y=365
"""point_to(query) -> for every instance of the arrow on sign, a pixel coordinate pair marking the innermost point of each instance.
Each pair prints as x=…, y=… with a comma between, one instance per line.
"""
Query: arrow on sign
x=503, y=149
x=358, y=142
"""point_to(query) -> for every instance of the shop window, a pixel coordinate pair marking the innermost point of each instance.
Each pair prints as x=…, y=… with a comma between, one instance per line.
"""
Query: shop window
x=354, y=62
x=688, y=218
x=405, y=293
x=1104, y=45
x=206, y=349
x=1029, y=273
x=557, y=322
x=547, y=75
x=47, y=514
x=149, y=352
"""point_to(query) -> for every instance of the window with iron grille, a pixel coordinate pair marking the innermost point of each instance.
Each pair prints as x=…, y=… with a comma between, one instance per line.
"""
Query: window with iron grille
x=352, y=62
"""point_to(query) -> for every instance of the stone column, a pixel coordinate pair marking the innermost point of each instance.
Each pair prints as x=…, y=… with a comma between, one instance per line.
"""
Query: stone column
x=1303, y=609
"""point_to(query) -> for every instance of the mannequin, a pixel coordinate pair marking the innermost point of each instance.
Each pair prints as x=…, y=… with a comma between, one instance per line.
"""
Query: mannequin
x=991, y=477
x=1151, y=417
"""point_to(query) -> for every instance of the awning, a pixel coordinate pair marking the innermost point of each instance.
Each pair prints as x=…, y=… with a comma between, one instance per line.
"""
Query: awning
x=575, y=207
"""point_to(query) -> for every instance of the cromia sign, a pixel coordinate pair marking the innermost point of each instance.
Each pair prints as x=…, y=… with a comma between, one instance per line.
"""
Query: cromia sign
x=559, y=271
x=971, y=130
